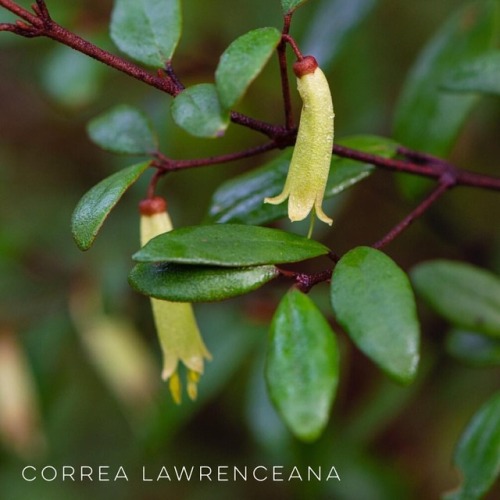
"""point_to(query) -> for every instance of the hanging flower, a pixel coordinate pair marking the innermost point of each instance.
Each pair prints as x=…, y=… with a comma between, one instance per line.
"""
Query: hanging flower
x=308, y=172
x=178, y=332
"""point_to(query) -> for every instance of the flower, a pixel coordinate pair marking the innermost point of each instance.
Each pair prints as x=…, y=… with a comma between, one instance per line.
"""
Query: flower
x=178, y=332
x=308, y=172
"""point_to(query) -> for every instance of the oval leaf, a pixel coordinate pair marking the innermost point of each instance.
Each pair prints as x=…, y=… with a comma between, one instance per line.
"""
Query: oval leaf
x=197, y=110
x=478, y=452
x=480, y=74
x=426, y=117
x=241, y=199
x=147, y=30
x=242, y=61
x=95, y=205
x=473, y=348
x=289, y=6
x=302, y=367
x=465, y=295
x=230, y=245
x=374, y=303
x=123, y=129
x=197, y=283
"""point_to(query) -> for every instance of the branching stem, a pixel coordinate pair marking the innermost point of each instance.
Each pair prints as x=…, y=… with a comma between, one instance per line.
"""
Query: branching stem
x=39, y=23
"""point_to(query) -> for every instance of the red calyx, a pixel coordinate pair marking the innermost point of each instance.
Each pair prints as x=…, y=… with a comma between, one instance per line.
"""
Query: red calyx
x=151, y=206
x=305, y=66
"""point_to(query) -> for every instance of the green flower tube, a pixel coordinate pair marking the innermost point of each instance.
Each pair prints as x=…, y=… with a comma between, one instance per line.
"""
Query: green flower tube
x=178, y=332
x=308, y=172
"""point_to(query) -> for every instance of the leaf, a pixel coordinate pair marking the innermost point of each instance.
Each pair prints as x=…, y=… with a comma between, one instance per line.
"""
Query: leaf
x=467, y=296
x=479, y=74
x=374, y=303
x=229, y=245
x=197, y=110
x=302, y=366
x=427, y=117
x=242, y=62
x=478, y=452
x=197, y=283
x=123, y=129
x=95, y=205
x=147, y=30
x=241, y=200
x=289, y=6
x=473, y=348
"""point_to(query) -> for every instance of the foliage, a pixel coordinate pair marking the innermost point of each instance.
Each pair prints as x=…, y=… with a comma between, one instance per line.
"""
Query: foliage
x=222, y=250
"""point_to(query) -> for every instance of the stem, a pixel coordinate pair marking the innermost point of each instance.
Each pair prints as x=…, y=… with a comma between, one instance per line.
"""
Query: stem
x=43, y=25
x=304, y=281
x=285, y=83
x=295, y=47
x=165, y=164
x=415, y=214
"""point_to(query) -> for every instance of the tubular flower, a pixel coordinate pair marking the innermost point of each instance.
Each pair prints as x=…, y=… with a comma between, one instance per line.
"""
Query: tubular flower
x=308, y=172
x=178, y=332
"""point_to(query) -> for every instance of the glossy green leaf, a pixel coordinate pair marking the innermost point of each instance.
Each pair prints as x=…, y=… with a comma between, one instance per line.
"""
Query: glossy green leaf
x=197, y=283
x=241, y=199
x=480, y=74
x=123, y=129
x=478, y=452
x=147, y=30
x=467, y=296
x=473, y=348
x=241, y=63
x=229, y=245
x=427, y=117
x=94, y=207
x=197, y=110
x=373, y=301
x=302, y=368
x=289, y=6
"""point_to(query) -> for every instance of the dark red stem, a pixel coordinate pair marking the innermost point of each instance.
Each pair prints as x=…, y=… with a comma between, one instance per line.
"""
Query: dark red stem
x=285, y=83
x=415, y=214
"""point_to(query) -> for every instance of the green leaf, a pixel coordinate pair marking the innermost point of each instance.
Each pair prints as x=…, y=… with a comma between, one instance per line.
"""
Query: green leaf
x=94, y=207
x=229, y=245
x=241, y=63
x=480, y=74
x=289, y=6
x=374, y=303
x=147, y=30
x=197, y=283
x=241, y=200
x=478, y=452
x=467, y=296
x=198, y=111
x=123, y=129
x=473, y=348
x=427, y=117
x=302, y=366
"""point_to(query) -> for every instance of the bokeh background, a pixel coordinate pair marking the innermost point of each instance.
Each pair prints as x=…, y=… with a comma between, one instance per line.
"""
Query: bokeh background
x=67, y=316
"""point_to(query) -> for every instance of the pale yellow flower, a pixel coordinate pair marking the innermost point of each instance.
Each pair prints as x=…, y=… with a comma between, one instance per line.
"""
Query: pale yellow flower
x=308, y=172
x=178, y=332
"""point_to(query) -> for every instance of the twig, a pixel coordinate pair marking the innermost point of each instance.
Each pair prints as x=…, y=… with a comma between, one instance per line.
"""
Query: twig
x=165, y=164
x=442, y=187
x=285, y=83
x=42, y=25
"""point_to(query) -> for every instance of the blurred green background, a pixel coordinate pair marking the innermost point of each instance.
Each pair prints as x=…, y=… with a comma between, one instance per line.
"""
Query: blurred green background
x=385, y=441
